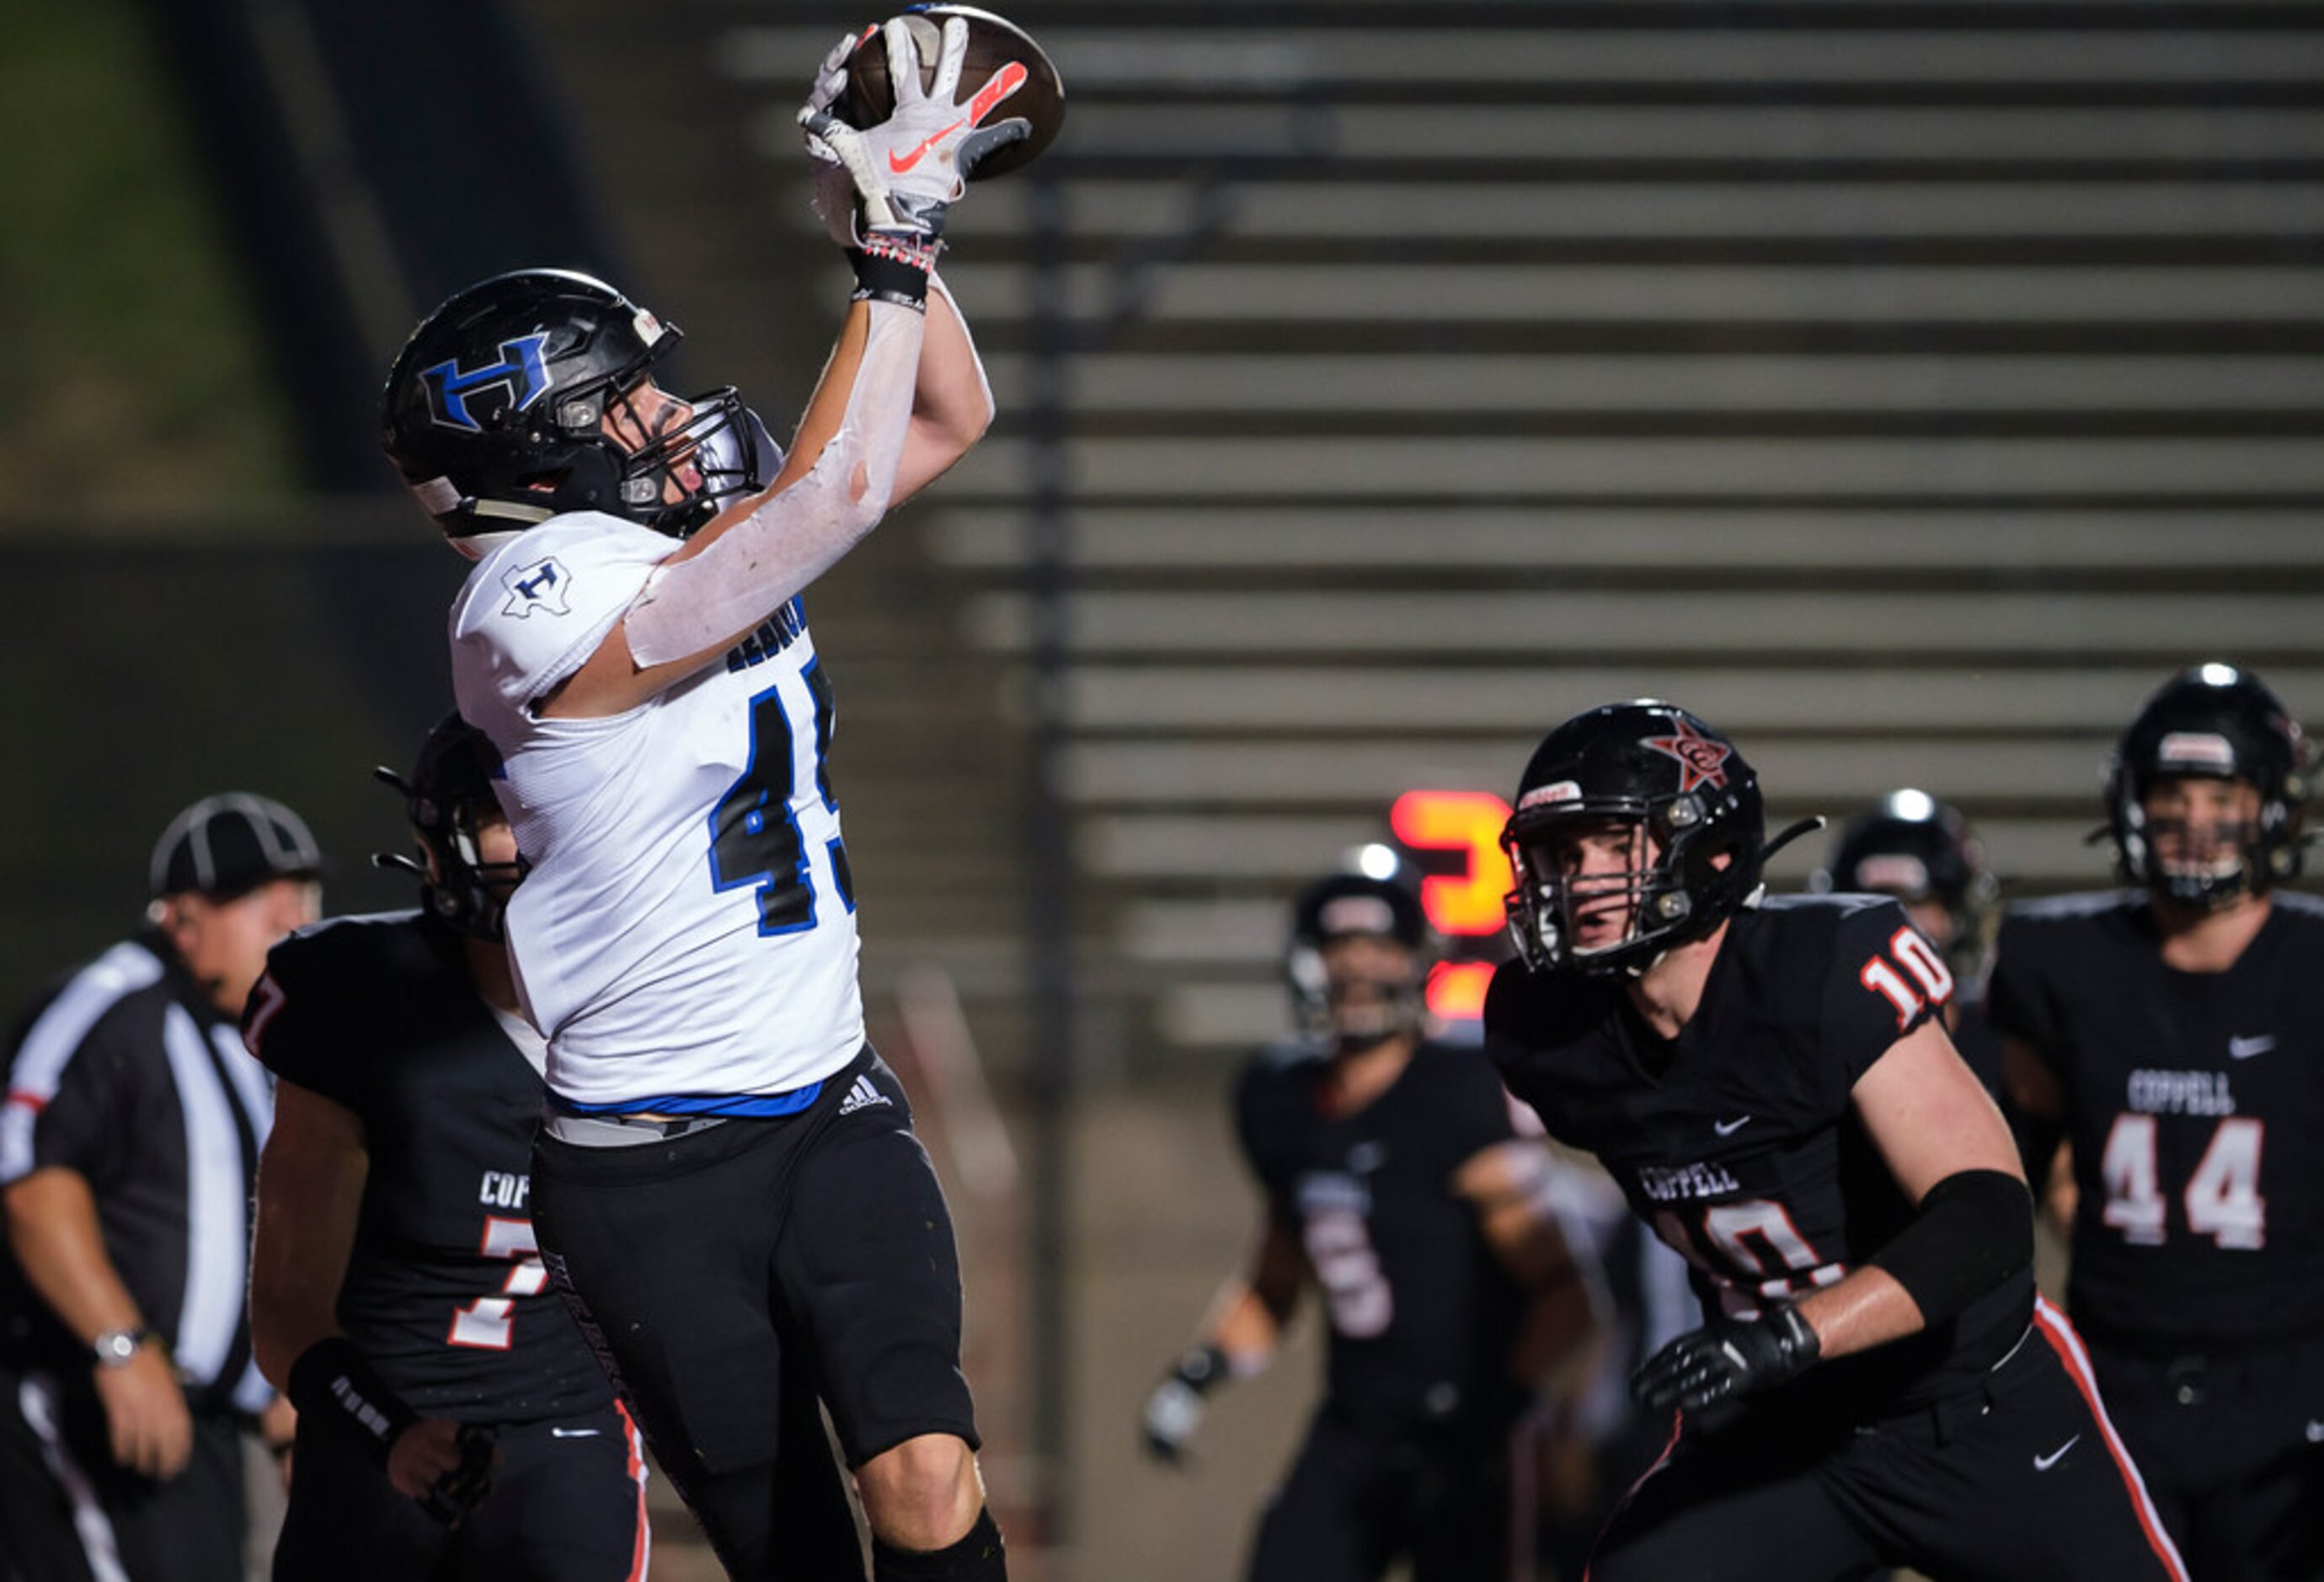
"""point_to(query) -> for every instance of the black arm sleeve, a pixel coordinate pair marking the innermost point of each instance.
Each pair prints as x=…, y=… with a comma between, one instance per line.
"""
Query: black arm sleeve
x=1974, y=1231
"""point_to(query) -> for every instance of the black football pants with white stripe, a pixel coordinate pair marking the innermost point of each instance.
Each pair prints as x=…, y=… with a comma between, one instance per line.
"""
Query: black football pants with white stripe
x=69, y=1514
x=2021, y=1479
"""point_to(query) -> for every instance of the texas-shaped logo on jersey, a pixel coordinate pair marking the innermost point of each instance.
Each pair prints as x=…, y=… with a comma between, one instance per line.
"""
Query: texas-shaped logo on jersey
x=545, y=584
x=522, y=374
x=1702, y=760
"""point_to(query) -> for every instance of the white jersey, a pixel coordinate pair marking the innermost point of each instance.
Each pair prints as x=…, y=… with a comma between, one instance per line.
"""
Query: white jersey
x=687, y=929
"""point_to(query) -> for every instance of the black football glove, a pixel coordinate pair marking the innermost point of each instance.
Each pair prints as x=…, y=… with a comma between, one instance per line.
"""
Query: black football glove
x=1727, y=1357
x=460, y=1491
x=1175, y=1410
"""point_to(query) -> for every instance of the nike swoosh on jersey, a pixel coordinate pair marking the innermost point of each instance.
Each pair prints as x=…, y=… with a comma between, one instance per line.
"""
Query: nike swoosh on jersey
x=574, y=1433
x=1728, y=1128
x=900, y=165
x=2043, y=1463
x=2243, y=1049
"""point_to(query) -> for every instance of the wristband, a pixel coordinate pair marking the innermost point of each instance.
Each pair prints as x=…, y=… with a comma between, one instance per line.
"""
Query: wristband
x=889, y=269
x=1203, y=1369
x=332, y=1381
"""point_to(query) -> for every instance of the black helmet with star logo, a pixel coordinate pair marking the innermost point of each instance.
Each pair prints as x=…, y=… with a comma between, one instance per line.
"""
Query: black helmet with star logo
x=1676, y=791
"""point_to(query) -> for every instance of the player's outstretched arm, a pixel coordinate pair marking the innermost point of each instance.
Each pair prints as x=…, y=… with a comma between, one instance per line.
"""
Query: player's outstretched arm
x=1510, y=1184
x=1236, y=1340
x=875, y=407
x=952, y=404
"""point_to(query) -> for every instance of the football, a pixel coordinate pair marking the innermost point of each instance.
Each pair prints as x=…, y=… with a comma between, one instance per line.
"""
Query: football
x=995, y=45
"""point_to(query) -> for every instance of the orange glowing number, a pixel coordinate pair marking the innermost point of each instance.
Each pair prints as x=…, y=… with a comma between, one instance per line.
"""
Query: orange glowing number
x=1467, y=903
x=1456, y=989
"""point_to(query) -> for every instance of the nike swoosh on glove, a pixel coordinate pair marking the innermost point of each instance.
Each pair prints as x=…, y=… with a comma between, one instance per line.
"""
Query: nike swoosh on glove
x=1727, y=1357
x=909, y=169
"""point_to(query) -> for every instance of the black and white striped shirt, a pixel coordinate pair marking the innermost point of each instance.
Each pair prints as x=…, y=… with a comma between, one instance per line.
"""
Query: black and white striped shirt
x=127, y=1075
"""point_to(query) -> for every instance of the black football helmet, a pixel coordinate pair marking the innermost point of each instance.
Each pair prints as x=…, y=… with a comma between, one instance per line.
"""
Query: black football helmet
x=1686, y=787
x=2211, y=722
x=1913, y=847
x=494, y=413
x=451, y=784
x=1338, y=907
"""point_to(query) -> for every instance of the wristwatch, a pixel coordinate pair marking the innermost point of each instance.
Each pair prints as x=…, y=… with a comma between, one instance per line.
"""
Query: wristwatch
x=117, y=1347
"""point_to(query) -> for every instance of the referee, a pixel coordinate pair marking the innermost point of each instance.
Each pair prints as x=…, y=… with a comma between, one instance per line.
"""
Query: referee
x=128, y=1141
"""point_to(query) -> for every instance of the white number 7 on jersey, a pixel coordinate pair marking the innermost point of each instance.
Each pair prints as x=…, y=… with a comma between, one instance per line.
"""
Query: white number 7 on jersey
x=487, y=1322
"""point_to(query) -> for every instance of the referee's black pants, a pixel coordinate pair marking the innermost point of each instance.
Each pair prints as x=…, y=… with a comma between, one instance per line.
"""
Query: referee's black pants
x=69, y=1514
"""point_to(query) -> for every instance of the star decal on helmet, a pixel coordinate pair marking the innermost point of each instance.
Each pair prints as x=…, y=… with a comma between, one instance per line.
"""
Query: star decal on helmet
x=1702, y=760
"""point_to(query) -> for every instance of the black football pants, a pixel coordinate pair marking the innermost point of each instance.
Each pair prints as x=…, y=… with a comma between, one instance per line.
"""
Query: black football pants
x=68, y=1513
x=2233, y=1449
x=566, y=1504
x=738, y=1273
x=2020, y=1480
x=1357, y=1498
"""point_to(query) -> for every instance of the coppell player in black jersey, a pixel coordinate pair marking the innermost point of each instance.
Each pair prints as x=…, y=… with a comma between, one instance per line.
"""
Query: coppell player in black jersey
x=1922, y=852
x=1393, y=1178
x=2173, y=1032
x=453, y=1423
x=1770, y=1083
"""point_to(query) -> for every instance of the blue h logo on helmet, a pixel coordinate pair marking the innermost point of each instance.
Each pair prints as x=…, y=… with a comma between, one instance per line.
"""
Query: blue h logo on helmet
x=522, y=369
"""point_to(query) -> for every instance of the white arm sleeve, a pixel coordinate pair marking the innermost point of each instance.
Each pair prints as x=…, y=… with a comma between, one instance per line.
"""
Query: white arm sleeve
x=797, y=535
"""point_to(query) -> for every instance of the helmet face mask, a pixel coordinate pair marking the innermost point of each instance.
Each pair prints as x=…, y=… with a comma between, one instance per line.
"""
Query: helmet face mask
x=1638, y=827
x=2207, y=791
x=450, y=802
x=1358, y=961
x=2202, y=839
x=511, y=405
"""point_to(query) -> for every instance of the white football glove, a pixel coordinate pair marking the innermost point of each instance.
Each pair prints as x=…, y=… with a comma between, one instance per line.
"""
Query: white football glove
x=833, y=194
x=911, y=167
x=1173, y=1414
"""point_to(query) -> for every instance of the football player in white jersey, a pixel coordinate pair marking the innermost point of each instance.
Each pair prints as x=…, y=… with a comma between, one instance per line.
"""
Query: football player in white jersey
x=727, y=1183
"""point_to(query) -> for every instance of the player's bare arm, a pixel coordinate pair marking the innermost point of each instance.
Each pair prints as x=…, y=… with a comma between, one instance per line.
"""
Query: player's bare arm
x=1932, y=1124
x=1508, y=1184
x=60, y=1245
x=952, y=404
x=1237, y=1338
x=310, y=1187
